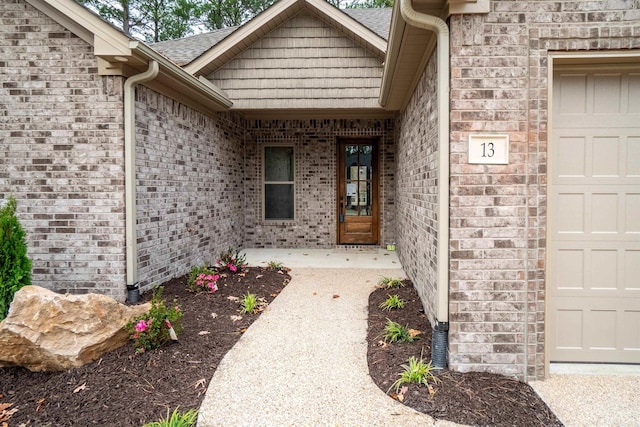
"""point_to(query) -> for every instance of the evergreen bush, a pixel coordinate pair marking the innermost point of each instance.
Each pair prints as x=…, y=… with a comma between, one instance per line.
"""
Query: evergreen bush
x=15, y=266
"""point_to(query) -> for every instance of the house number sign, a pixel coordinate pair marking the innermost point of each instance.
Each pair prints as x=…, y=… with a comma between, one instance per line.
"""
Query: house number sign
x=489, y=149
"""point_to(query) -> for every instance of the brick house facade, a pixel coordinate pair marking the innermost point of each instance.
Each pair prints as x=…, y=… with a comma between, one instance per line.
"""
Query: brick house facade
x=199, y=160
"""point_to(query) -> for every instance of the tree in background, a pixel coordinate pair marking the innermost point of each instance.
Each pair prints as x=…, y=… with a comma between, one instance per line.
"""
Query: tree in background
x=157, y=20
x=216, y=14
x=15, y=266
x=151, y=20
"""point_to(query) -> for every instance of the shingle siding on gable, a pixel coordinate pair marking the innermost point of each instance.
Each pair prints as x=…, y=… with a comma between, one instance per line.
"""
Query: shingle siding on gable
x=61, y=141
x=189, y=186
x=499, y=66
x=302, y=64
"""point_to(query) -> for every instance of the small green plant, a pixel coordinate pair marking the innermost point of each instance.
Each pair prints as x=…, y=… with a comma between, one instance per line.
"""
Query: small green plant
x=15, y=266
x=393, y=302
x=152, y=329
x=390, y=283
x=231, y=260
x=274, y=265
x=394, y=332
x=176, y=419
x=203, y=278
x=416, y=372
x=249, y=304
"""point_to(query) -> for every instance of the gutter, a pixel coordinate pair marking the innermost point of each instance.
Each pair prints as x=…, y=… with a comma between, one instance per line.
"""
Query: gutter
x=130, y=169
x=439, y=26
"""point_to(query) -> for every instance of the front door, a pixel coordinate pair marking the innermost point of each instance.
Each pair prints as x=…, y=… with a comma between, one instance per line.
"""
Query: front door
x=358, y=216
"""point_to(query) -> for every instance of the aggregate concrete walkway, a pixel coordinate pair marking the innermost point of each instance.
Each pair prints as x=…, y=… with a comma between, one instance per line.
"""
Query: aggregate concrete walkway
x=303, y=362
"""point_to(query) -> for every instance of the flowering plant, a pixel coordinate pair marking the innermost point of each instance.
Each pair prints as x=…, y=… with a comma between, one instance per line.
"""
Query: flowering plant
x=151, y=330
x=203, y=278
x=231, y=260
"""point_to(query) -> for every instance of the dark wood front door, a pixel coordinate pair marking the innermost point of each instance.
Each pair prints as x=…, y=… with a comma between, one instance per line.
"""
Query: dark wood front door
x=358, y=213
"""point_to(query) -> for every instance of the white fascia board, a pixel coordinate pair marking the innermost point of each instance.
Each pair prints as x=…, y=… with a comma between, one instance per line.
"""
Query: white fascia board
x=89, y=27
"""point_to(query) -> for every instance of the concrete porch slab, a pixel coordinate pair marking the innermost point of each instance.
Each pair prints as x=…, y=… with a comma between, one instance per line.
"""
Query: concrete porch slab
x=369, y=258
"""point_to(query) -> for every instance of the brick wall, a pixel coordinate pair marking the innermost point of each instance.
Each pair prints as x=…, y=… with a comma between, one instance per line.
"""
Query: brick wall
x=498, y=221
x=61, y=145
x=416, y=188
x=314, y=142
x=189, y=188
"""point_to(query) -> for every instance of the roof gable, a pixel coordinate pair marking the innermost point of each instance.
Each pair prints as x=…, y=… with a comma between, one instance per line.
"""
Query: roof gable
x=306, y=64
x=271, y=18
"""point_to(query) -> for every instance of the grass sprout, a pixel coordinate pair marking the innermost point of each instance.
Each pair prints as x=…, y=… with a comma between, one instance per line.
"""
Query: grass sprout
x=390, y=283
x=176, y=419
x=394, y=332
x=393, y=302
x=416, y=372
x=274, y=265
x=249, y=304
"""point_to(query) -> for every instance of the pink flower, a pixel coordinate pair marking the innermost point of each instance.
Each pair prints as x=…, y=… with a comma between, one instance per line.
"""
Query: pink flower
x=135, y=336
x=201, y=276
x=199, y=282
x=216, y=277
x=141, y=326
x=232, y=267
x=213, y=287
x=209, y=277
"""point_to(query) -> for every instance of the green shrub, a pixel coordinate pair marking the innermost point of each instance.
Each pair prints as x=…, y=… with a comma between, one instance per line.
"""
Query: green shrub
x=176, y=419
x=392, y=302
x=150, y=330
x=416, y=372
x=274, y=265
x=390, y=283
x=15, y=266
x=250, y=304
x=394, y=332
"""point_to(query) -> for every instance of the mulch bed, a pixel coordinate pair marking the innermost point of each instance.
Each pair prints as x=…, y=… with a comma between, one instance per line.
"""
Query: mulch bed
x=467, y=398
x=127, y=389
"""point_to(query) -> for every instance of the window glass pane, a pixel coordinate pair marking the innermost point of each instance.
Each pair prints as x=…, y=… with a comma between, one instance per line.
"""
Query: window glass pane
x=278, y=201
x=278, y=163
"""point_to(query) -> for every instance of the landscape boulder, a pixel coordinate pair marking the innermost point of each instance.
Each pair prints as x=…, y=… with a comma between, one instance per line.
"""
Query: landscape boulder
x=46, y=331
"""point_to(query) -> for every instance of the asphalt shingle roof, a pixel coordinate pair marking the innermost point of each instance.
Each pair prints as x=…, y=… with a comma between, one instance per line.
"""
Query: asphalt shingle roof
x=184, y=50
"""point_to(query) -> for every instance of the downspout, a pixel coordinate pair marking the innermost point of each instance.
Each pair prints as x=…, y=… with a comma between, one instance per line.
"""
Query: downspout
x=438, y=26
x=130, y=173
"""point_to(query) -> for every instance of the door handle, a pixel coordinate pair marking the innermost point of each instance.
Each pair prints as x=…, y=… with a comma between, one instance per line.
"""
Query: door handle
x=341, y=208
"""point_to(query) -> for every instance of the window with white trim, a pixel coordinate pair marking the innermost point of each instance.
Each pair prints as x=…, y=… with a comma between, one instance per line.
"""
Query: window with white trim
x=279, y=200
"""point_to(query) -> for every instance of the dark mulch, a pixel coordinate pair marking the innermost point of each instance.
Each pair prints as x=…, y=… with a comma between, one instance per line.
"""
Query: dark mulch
x=126, y=389
x=466, y=398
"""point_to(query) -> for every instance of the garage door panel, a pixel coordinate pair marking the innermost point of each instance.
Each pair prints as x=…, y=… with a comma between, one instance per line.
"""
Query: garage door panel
x=634, y=93
x=630, y=333
x=581, y=269
x=632, y=156
x=605, y=330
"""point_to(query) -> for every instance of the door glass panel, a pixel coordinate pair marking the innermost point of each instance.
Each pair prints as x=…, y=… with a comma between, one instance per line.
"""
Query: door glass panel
x=358, y=174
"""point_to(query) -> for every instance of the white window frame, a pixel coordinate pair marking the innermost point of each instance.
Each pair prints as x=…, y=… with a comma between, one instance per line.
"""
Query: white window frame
x=265, y=183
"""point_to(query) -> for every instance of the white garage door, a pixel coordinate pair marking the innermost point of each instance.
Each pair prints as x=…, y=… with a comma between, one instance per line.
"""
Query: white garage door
x=594, y=216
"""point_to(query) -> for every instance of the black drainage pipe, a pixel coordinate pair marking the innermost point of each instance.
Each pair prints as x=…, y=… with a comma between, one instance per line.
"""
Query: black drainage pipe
x=440, y=345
